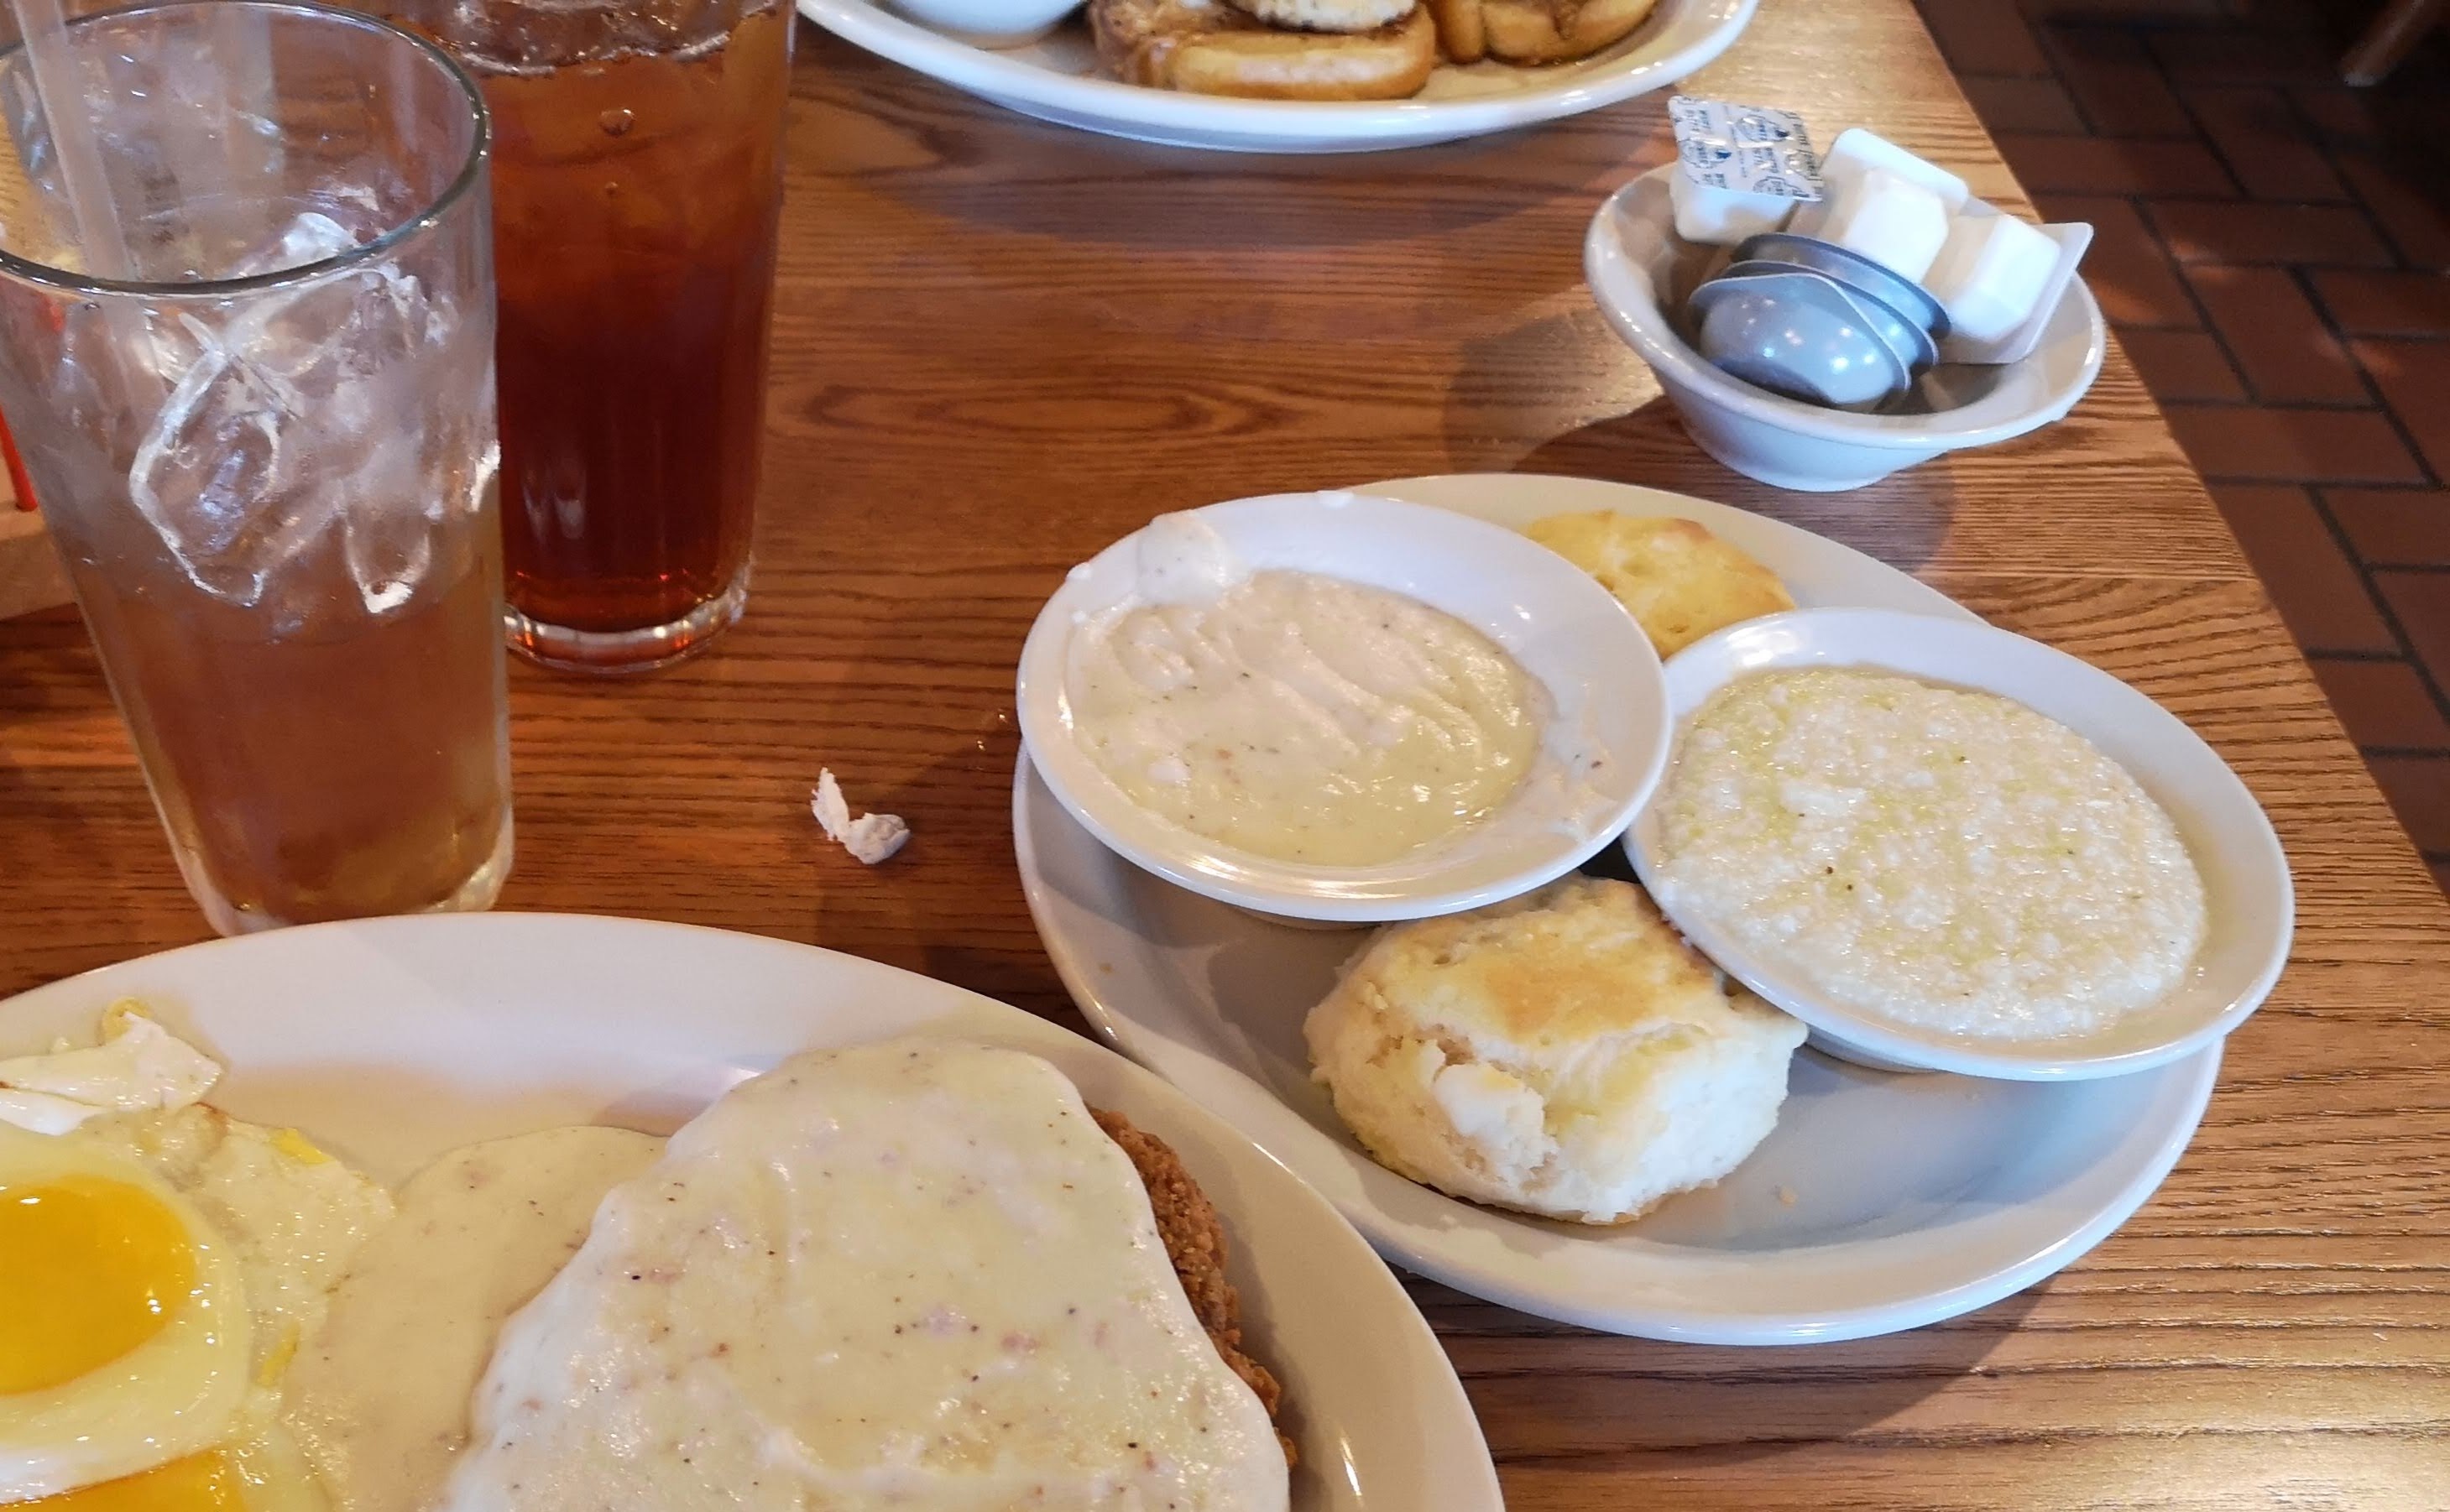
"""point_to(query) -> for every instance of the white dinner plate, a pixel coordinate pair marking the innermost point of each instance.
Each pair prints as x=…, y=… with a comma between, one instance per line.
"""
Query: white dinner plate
x=391, y=1040
x=1882, y=1201
x=1058, y=79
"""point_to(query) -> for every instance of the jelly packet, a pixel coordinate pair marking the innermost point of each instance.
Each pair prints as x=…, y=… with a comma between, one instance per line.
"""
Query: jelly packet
x=1747, y=148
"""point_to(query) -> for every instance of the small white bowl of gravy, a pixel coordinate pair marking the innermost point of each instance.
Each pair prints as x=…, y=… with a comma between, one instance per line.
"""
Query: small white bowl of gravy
x=1342, y=709
x=1947, y=847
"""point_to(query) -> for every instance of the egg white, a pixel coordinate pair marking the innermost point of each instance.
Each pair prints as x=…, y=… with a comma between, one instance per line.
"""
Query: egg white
x=291, y=1216
x=175, y=1394
x=272, y=1221
x=137, y=1064
x=270, y=1462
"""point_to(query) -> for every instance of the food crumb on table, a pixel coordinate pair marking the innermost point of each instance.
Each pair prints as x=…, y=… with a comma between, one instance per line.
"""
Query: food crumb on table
x=869, y=838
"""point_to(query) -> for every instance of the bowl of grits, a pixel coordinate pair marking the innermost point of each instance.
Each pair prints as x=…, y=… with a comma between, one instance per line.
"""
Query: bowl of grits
x=1340, y=708
x=1948, y=847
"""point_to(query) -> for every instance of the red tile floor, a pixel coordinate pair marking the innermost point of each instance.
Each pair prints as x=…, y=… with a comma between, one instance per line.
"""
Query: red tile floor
x=2274, y=250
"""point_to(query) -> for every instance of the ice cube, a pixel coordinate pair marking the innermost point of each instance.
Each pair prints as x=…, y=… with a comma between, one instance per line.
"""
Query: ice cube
x=210, y=475
x=295, y=422
x=311, y=238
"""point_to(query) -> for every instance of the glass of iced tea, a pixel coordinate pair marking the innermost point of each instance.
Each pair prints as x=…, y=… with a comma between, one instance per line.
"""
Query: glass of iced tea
x=638, y=183
x=246, y=345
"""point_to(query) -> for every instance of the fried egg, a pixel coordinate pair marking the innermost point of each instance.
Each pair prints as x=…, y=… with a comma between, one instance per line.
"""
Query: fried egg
x=138, y=1355
x=182, y=1255
x=137, y=1065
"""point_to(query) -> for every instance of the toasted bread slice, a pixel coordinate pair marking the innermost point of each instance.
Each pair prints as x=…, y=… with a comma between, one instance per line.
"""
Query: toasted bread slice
x=1206, y=46
x=1533, y=31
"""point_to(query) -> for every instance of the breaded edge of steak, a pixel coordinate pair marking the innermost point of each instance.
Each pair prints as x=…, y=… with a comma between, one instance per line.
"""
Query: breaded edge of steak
x=1195, y=1241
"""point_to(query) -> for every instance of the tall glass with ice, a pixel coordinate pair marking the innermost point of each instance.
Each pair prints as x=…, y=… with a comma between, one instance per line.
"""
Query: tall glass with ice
x=247, y=347
x=637, y=187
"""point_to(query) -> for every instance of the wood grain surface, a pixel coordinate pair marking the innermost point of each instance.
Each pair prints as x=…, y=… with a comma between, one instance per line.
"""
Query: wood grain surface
x=999, y=344
x=29, y=570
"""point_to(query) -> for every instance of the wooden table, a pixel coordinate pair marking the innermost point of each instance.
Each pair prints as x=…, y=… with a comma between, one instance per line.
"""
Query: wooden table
x=1000, y=344
x=29, y=570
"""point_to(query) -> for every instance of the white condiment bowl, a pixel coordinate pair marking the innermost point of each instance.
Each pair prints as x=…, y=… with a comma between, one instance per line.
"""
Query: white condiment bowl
x=1609, y=725
x=989, y=23
x=2246, y=893
x=1640, y=272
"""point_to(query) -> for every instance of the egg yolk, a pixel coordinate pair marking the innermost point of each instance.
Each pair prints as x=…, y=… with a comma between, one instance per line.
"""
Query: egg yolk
x=200, y=1483
x=112, y=1263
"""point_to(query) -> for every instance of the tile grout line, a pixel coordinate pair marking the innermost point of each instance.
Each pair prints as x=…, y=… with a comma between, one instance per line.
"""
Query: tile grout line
x=2293, y=105
x=2303, y=284
x=2254, y=201
x=2302, y=278
x=2286, y=406
x=2316, y=265
x=2268, y=480
x=2356, y=201
x=2378, y=659
x=2194, y=302
x=2434, y=680
x=2438, y=686
x=2412, y=489
x=2399, y=261
x=2408, y=752
x=2204, y=139
x=2046, y=45
x=2398, y=424
x=2313, y=266
x=2161, y=239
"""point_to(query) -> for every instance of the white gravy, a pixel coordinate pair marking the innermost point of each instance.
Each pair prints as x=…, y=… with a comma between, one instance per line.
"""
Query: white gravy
x=1304, y=718
x=913, y=1275
x=378, y=1395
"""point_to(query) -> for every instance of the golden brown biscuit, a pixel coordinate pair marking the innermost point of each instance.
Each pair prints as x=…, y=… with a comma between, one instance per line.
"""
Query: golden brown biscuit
x=1564, y=1053
x=1207, y=47
x=1533, y=31
x=1678, y=580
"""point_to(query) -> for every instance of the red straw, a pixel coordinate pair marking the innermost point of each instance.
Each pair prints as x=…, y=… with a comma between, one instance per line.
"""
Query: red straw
x=17, y=469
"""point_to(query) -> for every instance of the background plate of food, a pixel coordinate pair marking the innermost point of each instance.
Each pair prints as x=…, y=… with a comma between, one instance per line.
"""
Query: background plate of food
x=1684, y=1171
x=419, y=1235
x=1297, y=75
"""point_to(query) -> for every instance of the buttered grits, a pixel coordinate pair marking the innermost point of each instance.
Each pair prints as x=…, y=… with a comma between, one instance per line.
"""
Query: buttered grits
x=1944, y=859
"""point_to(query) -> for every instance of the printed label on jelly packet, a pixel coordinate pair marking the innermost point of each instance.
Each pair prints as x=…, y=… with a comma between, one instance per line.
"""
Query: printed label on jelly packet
x=1750, y=148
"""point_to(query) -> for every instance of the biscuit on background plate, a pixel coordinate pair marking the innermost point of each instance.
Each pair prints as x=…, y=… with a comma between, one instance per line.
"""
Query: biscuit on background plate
x=1534, y=31
x=1326, y=15
x=1208, y=46
x=1563, y=1054
x=1678, y=580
